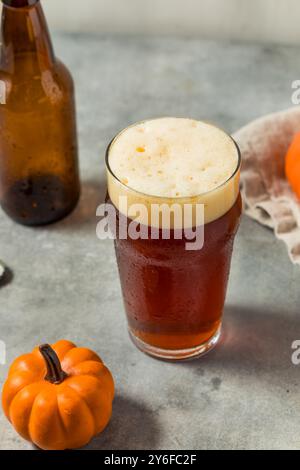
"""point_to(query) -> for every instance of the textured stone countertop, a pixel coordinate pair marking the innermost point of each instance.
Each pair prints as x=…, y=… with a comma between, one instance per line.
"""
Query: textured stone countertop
x=245, y=393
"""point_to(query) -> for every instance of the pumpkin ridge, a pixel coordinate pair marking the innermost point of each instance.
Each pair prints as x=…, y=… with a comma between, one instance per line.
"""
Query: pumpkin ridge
x=75, y=374
x=88, y=374
x=17, y=365
x=58, y=414
x=10, y=378
x=95, y=358
x=85, y=402
x=19, y=391
x=30, y=415
x=66, y=353
x=99, y=375
x=63, y=426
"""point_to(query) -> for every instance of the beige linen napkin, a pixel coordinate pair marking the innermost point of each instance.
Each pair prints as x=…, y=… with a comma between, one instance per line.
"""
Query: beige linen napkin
x=267, y=195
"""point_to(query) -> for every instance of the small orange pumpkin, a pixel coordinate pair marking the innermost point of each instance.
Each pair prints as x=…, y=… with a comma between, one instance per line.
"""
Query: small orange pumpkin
x=58, y=397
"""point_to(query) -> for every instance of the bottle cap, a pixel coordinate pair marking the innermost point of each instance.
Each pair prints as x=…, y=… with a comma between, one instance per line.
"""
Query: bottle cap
x=19, y=3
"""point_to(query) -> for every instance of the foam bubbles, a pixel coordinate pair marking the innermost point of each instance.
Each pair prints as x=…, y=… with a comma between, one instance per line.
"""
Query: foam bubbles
x=173, y=157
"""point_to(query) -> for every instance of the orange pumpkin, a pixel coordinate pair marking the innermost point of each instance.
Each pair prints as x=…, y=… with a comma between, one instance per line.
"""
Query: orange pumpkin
x=292, y=165
x=58, y=397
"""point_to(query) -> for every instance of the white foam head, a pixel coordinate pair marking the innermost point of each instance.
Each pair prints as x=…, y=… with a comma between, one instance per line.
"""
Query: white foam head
x=175, y=159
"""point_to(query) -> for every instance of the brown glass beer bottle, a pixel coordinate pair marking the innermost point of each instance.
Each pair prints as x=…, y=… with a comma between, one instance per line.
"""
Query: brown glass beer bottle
x=39, y=178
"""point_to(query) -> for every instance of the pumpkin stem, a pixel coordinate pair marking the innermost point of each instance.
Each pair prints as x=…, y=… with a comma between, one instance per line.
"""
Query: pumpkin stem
x=55, y=374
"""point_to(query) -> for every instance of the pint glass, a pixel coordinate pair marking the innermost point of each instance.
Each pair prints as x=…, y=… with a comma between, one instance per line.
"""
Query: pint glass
x=173, y=294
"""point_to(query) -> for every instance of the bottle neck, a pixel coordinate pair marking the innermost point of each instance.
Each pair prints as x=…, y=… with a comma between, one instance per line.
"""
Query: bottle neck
x=19, y=3
x=24, y=34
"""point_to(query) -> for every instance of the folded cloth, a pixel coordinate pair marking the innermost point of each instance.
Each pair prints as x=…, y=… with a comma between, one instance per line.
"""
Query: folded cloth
x=268, y=197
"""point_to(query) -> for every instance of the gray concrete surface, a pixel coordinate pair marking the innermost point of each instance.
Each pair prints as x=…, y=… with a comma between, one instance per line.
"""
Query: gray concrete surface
x=244, y=395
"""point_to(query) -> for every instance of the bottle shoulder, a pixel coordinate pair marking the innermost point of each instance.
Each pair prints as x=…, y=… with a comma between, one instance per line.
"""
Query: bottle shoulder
x=63, y=74
x=57, y=81
x=31, y=82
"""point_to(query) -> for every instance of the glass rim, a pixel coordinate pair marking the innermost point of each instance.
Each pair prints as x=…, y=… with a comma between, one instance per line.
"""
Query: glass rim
x=175, y=198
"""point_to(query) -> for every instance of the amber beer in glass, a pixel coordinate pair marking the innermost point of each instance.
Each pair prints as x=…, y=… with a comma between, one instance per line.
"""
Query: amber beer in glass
x=174, y=296
x=39, y=177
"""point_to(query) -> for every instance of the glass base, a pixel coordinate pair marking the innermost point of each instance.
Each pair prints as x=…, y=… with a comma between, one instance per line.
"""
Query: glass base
x=177, y=354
